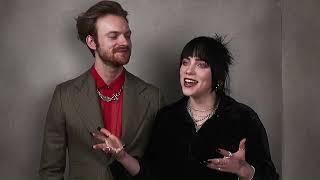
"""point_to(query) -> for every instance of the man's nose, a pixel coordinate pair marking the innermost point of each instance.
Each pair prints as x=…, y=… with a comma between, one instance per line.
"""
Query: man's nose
x=123, y=40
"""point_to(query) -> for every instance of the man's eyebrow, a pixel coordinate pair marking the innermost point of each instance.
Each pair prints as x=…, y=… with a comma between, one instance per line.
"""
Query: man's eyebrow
x=118, y=32
x=113, y=32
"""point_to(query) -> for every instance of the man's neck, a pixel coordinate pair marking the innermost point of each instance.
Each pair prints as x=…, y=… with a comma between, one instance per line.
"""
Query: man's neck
x=107, y=73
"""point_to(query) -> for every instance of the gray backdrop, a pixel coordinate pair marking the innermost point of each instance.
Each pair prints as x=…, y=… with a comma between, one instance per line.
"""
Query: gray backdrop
x=301, y=88
x=274, y=71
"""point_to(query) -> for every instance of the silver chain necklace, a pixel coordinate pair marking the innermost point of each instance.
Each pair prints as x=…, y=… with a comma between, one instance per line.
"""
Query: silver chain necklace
x=209, y=115
x=198, y=122
x=114, y=97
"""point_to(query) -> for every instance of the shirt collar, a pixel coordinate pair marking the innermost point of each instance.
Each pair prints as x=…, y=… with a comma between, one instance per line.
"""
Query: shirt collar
x=116, y=84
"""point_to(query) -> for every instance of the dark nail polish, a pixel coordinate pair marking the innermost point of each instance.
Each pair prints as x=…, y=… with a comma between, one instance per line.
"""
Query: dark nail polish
x=205, y=162
x=91, y=133
x=98, y=128
x=218, y=150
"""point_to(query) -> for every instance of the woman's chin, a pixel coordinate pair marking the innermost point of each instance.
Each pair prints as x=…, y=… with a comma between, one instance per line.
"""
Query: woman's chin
x=187, y=92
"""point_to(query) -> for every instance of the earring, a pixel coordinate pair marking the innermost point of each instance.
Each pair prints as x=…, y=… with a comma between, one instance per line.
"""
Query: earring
x=218, y=87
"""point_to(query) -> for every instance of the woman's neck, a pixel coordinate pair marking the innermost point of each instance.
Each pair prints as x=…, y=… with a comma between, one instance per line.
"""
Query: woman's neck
x=203, y=102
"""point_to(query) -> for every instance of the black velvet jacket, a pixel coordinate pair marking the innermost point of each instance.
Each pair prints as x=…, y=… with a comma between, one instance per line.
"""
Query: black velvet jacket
x=177, y=150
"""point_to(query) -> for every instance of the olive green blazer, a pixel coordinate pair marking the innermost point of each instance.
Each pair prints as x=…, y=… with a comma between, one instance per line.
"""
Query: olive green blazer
x=75, y=111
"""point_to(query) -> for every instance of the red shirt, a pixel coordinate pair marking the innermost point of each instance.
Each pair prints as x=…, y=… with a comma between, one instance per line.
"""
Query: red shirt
x=111, y=111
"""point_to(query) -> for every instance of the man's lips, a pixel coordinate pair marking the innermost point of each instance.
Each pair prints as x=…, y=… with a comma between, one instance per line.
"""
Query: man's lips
x=121, y=50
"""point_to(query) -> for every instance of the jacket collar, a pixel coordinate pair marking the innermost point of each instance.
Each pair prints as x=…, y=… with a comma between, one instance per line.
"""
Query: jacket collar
x=134, y=104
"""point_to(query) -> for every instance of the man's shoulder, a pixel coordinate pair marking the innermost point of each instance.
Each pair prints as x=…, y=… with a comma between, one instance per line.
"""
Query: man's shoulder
x=141, y=83
x=76, y=82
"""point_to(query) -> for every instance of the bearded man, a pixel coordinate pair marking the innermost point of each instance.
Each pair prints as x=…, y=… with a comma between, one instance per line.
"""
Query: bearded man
x=107, y=95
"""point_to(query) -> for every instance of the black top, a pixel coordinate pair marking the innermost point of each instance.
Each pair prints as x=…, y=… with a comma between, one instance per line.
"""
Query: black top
x=176, y=149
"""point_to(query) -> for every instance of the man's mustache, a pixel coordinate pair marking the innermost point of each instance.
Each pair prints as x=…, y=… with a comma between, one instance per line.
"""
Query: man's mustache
x=121, y=49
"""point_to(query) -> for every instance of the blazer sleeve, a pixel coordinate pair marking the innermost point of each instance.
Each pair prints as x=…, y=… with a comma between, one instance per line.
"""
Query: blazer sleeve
x=53, y=157
x=257, y=151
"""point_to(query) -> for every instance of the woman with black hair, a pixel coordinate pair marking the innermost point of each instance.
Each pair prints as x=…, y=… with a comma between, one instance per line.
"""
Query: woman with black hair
x=206, y=134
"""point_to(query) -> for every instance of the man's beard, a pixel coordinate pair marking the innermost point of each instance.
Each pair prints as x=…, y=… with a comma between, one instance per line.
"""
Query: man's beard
x=110, y=59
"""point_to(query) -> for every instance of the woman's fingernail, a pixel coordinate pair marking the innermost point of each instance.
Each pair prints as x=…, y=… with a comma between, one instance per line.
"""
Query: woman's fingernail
x=98, y=128
x=218, y=150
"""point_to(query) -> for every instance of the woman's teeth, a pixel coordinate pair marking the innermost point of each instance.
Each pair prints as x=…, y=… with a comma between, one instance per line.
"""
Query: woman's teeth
x=190, y=81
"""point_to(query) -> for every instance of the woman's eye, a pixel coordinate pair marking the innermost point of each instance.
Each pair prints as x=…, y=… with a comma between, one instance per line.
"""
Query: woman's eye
x=185, y=62
x=203, y=65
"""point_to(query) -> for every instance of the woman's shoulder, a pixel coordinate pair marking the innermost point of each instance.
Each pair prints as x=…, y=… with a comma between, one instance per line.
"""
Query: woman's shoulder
x=233, y=108
x=230, y=104
x=174, y=110
x=175, y=106
x=169, y=117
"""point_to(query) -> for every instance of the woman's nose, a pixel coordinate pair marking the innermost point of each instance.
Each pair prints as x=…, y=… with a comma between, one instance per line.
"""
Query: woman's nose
x=190, y=69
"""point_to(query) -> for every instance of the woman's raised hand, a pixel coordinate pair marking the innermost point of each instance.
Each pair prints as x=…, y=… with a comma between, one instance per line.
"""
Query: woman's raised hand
x=233, y=162
x=111, y=144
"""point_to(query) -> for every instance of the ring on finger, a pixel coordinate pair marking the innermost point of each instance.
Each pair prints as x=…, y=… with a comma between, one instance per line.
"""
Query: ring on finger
x=106, y=141
x=229, y=154
x=107, y=149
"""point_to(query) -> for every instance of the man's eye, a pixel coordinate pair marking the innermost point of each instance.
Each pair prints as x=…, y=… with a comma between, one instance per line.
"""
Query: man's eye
x=128, y=36
x=112, y=36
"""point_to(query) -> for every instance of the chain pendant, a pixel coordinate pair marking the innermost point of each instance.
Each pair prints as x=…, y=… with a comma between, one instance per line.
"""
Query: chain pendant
x=114, y=97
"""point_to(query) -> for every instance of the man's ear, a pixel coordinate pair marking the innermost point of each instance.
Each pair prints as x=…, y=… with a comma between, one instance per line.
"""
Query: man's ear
x=91, y=43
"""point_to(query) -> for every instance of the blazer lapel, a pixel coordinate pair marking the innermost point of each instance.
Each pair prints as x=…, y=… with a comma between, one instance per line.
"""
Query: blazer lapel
x=135, y=105
x=88, y=108
x=134, y=108
x=87, y=104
